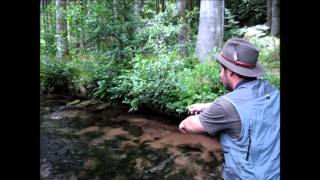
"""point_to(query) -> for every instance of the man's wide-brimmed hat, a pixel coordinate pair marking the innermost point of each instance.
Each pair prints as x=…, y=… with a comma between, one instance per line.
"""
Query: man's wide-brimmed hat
x=241, y=56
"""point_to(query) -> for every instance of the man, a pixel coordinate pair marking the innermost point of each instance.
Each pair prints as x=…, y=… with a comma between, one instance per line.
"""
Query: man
x=247, y=118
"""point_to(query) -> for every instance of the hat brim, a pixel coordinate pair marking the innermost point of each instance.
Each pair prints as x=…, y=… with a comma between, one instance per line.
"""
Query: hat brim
x=257, y=71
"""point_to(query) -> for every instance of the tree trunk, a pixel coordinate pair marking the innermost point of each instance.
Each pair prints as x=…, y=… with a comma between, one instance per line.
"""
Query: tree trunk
x=137, y=6
x=269, y=12
x=157, y=6
x=190, y=5
x=44, y=17
x=61, y=30
x=53, y=23
x=114, y=10
x=275, y=25
x=198, y=3
x=163, y=5
x=210, y=34
x=182, y=37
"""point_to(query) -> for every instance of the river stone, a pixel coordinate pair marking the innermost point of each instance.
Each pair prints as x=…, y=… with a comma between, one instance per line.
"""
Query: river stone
x=85, y=103
x=90, y=164
x=73, y=102
x=55, y=116
x=103, y=106
x=98, y=108
x=45, y=169
x=123, y=156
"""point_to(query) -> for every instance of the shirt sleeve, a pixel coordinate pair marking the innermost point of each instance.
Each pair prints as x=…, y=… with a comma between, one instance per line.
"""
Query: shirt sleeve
x=221, y=116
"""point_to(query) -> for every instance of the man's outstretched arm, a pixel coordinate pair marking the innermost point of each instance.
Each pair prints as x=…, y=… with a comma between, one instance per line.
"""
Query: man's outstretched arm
x=191, y=124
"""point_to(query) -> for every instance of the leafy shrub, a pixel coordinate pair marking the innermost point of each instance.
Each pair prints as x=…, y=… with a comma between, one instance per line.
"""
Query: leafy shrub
x=54, y=75
x=272, y=78
x=247, y=12
x=159, y=33
x=77, y=77
x=198, y=84
x=167, y=82
x=150, y=82
x=105, y=80
x=231, y=27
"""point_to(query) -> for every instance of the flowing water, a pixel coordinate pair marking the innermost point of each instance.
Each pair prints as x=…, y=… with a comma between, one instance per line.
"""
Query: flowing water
x=87, y=139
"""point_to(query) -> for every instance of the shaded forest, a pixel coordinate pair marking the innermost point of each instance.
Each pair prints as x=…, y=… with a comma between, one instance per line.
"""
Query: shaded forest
x=150, y=53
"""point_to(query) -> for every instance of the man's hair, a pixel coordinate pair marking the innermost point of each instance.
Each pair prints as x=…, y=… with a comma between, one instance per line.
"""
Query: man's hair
x=243, y=77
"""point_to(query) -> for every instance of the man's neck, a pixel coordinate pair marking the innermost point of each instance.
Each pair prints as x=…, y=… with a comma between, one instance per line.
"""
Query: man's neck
x=242, y=81
x=236, y=82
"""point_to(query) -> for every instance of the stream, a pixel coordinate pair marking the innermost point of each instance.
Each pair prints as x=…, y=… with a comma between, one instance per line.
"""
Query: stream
x=93, y=140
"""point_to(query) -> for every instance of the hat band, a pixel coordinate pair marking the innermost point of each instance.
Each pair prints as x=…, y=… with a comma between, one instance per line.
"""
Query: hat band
x=238, y=62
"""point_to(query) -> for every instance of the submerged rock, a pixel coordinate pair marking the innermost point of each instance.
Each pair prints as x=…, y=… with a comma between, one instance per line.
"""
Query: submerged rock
x=55, y=116
x=45, y=168
x=159, y=167
x=103, y=106
x=85, y=103
x=90, y=164
x=73, y=102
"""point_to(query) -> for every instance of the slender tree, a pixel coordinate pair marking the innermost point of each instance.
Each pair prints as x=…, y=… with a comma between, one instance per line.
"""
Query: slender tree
x=114, y=10
x=61, y=30
x=137, y=7
x=157, y=6
x=269, y=12
x=275, y=25
x=163, y=5
x=182, y=37
x=210, y=34
x=189, y=5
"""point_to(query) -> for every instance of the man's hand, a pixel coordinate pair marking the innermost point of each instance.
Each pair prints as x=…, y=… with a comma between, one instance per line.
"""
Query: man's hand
x=191, y=125
x=198, y=107
x=182, y=127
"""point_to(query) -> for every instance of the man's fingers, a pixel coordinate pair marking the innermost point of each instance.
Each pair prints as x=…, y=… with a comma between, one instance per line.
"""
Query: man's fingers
x=194, y=108
x=191, y=112
x=194, y=112
x=182, y=127
x=189, y=108
x=183, y=130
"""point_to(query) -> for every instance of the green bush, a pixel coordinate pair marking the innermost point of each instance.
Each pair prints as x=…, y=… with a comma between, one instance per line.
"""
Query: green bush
x=54, y=75
x=106, y=79
x=198, y=84
x=272, y=78
x=168, y=83
x=231, y=27
x=158, y=34
x=248, y=12
x=77, y=77
x=150, y=82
